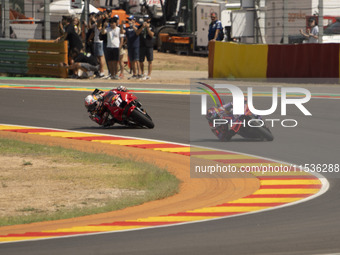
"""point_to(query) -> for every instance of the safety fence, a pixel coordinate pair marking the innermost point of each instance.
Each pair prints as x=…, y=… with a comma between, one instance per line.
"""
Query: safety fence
x=33, y=57
x=233, y=60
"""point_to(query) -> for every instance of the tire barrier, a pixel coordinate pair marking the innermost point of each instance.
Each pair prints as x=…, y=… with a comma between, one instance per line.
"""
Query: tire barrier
x=33, y=57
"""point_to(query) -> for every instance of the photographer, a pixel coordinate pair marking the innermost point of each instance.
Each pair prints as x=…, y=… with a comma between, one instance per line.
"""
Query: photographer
x=146, y=46
x=133, y=42
x=311, y=35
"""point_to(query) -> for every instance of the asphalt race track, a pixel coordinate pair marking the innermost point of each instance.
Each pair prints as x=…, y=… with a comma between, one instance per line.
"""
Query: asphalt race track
x=312, y=227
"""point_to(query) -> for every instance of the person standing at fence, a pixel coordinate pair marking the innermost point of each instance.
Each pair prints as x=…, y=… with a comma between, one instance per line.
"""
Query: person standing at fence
x=105, y=19
x=132, y=36
x=215, y=28
x=70, y=35
x=89, y=44
x=311, y=34
x=114, y=43
x=61, y=26
x=76, y=24
x=146, y=46
x=98, y=47
x=122, y=51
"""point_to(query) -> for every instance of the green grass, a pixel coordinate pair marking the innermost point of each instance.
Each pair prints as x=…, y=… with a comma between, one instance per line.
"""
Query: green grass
x=92, y=170
x=27, y=163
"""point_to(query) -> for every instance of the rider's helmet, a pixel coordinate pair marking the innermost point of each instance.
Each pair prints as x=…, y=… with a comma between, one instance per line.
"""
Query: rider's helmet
x=91, y=103
x=211, y=114
x=122, y=88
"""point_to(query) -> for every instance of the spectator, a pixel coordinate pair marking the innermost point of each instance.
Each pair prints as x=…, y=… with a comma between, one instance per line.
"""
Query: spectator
x=76, y=24
x=12, y=34
x=122, y=51
x=61, y=26
x=107, y=14
x=98, y=47
x=87, y=64
x=74, y=41
x=311, y=35
x=146, y=46
x=215, y=28
x=103, y=37
x=89, y=44
x=100, y=15
x=132, y=36
x=114, y=43
x=92, y=20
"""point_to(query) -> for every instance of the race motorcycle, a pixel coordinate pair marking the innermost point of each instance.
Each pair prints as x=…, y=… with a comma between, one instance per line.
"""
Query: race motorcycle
x=124, y=108
x=249, y=126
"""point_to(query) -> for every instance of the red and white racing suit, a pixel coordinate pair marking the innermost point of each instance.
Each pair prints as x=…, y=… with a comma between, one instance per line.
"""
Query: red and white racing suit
x=223, y=132
x=101, y=114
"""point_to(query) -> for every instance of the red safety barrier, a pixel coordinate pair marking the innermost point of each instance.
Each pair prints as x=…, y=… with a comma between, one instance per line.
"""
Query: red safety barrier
x=303, y=61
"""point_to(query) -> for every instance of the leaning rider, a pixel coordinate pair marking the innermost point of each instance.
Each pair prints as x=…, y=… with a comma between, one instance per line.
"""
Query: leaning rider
x=99, y=113
x=222, y=132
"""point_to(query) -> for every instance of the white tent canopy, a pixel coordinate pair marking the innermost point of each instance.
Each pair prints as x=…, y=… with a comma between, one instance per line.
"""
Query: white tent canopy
x=63, y=7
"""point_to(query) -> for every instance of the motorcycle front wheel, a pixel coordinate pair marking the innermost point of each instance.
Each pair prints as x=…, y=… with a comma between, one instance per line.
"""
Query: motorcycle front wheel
x=265, y=133
x=142, y=119
x=260, y=131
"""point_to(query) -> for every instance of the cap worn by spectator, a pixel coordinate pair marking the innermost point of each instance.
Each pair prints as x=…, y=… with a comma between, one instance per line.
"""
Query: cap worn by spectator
x=116, y=16
x=146, y=17
x=131, y=17
x=113, y=20
x=312, y=19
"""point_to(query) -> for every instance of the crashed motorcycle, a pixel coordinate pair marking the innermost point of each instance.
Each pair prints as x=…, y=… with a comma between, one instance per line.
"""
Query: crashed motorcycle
x=124, y=108
x=249, y=126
